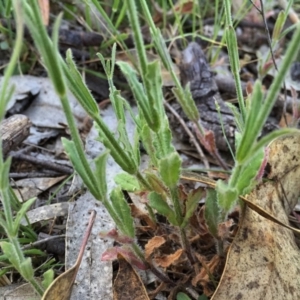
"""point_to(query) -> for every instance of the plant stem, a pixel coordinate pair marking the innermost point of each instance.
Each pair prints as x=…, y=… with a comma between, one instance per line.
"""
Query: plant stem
x=186, y=246
x=76, y=138
x=5, y=199
x=235, y=175
x=139, y=253
x=138, y=39
x=142, y=180
x=234, y=57
x=179, y=218
x=176, y=204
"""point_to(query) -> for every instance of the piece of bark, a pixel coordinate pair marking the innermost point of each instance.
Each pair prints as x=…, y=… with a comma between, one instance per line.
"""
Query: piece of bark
x=195, y=70
x=14, y=130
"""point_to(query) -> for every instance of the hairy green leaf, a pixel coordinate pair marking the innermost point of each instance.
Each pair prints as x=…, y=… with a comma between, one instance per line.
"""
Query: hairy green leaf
x=162, y=140
x=227, y=196
x=26, y=269
x=127, y=182
x=122, y=209
x=158, y=203
x=185, y=98
x=212, y=212
x=100, y=173
x=247, y=179
x=48, y=278
x=169, y=169
x=193, y=199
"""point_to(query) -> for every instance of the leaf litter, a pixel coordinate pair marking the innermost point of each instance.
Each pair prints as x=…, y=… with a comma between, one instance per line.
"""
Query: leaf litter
x=264, y=261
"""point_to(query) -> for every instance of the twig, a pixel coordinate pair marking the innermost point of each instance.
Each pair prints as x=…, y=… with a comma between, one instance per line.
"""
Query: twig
x=44, y=163
x=43, y=241
x=34, y=174
x=190, y=134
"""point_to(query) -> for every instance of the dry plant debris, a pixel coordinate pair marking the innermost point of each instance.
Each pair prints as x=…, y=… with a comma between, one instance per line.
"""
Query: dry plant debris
x=128, y=284
x=264, y=261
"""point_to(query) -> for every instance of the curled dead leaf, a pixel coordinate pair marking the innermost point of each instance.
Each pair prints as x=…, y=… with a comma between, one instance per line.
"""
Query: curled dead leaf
x=153, y=244
x=166, y=260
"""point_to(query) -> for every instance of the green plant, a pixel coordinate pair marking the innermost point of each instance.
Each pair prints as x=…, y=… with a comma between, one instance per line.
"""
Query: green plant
x=250, y=149
x=10, y=223
x=161, y=180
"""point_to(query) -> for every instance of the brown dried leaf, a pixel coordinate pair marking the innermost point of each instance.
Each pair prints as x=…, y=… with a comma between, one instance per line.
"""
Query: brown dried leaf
x=264, y=261
x=167, y=260
x=139, y=214
x=181, y=7
x=45, y=11
x=209, y=138
x=205, y=274
x=153, y=244
x=224, y=229
x=128, y=284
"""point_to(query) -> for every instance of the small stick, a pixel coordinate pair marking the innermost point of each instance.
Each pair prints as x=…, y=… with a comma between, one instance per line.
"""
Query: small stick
x=190, y=134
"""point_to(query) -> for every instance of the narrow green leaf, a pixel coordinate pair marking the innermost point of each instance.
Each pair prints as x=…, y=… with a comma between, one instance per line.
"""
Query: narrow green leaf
x=182, y=296
x=11, y=254
x=279, y=24
x=193, y=199
x=237, y=117
x=132, y=14
x=162, y=140
x=212, y=212
x=247, y=179
x=122, y=209
x=169, y=169
x=55, y=31
x=71, y=151
x=123, y=137
x=118, y=104
x=232, y=47
x=113, y=59
x=147, y=140
x=136, y=148
x=100, y=173
x=253, y=124
x=157, y=203
x=138, y=92
x=127, y=182
x=122, y=157
x=78, y=86
x=237, y=139
x=24, y=208
x=48, y=278
x=45, y=45
x=156, y=184
x=185, y=99
x=4, y=178
x=34, y=252
x=227, y=196
x=3, y=224
x=268, y=139
x=26, y=269
x=153, y=86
